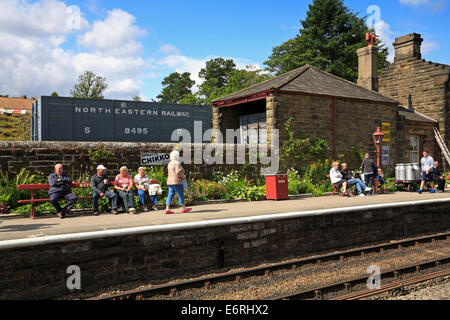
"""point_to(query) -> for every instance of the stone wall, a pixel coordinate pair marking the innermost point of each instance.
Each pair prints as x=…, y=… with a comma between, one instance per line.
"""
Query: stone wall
x=42, y=156
x=422, y=85
x=39, y=272
x=356, y=121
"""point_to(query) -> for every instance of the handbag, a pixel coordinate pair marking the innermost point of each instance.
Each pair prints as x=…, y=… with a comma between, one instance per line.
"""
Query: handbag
x=154, y=189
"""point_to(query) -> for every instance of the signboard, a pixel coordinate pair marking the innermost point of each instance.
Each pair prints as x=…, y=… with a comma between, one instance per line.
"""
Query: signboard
x=386, y=129
x=385, y=156
x=151, y=159
x=71, y=119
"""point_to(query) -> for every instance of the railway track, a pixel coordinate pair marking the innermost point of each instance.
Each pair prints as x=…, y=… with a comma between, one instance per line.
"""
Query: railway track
x=356, y=288
x=171, y=289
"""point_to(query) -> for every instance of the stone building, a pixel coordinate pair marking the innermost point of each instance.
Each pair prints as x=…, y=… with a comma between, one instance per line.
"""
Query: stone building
x=421, y=86
x=320, y=104
x=407, y=101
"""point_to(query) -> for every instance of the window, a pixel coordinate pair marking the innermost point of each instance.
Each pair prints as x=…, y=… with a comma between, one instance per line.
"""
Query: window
x=414, y=148
x=253, y=128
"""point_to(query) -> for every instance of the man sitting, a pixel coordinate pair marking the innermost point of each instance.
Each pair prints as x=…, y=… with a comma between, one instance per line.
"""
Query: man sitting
x=60, y=189
x=438, y=177
x=336, y=177
x=347, y=175
x=100, y=184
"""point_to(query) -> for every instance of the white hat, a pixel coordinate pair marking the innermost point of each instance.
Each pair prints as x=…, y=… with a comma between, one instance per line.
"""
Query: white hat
x=101, y=167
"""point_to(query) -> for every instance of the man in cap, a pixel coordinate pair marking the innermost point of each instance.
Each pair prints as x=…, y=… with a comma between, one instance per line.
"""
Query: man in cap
x=60, y=189
x=100, y=184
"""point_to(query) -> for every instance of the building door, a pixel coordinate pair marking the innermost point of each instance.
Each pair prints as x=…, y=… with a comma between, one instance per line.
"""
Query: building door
x=414, y=147
x=253, y=128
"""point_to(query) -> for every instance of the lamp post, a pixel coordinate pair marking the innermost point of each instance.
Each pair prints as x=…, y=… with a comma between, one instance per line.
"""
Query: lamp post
x=378, y=139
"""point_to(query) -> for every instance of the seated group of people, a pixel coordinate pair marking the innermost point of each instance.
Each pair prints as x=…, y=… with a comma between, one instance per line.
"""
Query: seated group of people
x=344, y=178
x=373, y=177
x=123, y=184
x=431, y=173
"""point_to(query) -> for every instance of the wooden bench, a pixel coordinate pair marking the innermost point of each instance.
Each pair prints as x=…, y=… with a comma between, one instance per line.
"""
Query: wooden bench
x=33, y=187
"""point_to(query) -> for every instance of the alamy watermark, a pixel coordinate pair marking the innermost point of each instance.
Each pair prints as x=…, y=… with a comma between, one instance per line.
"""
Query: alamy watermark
x=74, y=280
x=224, y=150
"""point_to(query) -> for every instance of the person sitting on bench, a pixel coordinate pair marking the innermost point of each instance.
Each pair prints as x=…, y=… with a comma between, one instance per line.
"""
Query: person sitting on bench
x=100, y=184
x=438, y=177
x=347, y=175
x=337, y=180
x=60, y=189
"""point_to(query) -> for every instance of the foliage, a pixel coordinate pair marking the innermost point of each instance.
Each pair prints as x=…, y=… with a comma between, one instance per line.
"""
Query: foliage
x=328, y=40
x=14, y=127
x=238, y=187
x=99, y=155
x=176, y=87
x=54, y=94
x=5, y=195
x=353, y=157
x=297, y=150
x=137, y=98
x=8, y=185
x=89, y=86
x=202, y=190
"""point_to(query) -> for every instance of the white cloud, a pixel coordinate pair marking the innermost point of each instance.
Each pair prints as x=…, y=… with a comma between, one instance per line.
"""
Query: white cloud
x=116, y=35
x=414, y=3
x=34, y=62
x=169, y=49
x=428, y=46
x=384, y=32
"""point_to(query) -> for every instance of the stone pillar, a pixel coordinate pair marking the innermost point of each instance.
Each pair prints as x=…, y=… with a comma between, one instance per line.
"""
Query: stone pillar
x=271, y=108
x=367, y=67
x=408, y=47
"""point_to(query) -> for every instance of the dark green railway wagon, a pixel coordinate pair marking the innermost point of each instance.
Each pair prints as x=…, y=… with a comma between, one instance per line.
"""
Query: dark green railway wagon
x=73, y=119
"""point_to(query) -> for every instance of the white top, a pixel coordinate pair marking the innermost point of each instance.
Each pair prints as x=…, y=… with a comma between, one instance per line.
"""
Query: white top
x=427, y=163
x=140, y=181
x=335, y=176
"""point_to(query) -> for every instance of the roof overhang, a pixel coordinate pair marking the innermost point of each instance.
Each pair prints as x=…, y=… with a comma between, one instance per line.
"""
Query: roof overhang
x=244, y=99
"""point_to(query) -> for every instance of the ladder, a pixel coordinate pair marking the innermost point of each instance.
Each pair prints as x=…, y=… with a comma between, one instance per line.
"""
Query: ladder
x=442, y=145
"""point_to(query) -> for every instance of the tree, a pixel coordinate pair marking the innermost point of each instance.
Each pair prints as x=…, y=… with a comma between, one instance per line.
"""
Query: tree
x=137, y=98
x=89, y=86
x=176, y=87
x=54, y=94
x=328, y=40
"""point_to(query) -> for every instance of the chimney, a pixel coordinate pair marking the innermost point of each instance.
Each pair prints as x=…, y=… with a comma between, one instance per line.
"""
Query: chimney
x=367, y=67
x=408, y=47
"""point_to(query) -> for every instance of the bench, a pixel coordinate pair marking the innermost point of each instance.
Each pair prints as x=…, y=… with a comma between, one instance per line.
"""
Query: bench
x=33, y=187
x=351, y=190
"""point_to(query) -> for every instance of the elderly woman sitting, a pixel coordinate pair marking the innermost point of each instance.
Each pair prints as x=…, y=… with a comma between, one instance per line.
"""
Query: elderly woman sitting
x=336, y=177
x=142, y=183
x=124, y=185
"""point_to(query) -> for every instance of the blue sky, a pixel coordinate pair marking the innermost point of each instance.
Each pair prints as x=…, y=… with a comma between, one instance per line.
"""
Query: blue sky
x=155, y=38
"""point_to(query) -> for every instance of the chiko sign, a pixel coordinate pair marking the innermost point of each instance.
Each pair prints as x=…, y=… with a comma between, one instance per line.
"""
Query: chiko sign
x=150, y=159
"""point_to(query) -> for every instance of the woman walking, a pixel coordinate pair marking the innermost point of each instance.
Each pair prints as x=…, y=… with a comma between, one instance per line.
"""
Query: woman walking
x=175, y=180
x=124, y=184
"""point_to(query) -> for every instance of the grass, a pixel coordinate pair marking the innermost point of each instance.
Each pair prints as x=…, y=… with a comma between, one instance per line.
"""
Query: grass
x=15, y=127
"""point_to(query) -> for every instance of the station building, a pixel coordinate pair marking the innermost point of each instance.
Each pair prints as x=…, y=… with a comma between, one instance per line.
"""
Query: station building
x=343, y=113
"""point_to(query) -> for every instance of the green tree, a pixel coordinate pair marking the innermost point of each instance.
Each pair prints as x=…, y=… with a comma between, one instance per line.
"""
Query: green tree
x=137, y=98
x=176, y=87
x=89, y=86
x=55, y=94
x=328, y=39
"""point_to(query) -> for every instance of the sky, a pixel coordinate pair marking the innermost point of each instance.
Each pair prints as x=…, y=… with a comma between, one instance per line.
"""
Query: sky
x=134, y=44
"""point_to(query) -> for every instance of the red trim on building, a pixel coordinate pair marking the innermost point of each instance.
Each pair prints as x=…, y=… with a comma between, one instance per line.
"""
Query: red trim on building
x=253, y=97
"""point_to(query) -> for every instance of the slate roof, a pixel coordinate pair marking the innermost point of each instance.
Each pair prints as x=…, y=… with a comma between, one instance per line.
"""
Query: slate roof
x=309, y=79
x=412, y=115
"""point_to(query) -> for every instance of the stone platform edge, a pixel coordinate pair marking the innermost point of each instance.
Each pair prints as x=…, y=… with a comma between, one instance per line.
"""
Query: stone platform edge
x=54, y=239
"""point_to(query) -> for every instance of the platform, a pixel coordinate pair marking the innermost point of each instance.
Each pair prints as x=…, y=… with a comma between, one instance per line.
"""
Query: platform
x=25, y=228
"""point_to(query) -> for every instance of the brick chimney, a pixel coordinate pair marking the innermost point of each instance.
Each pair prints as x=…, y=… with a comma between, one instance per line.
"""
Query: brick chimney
x=408, y=47
x=367, y=67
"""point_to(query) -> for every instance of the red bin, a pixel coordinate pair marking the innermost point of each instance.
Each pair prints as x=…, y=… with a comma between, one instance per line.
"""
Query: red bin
x=277, y=187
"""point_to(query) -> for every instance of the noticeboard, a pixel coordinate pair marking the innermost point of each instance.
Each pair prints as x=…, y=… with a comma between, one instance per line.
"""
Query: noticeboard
x=386, y=129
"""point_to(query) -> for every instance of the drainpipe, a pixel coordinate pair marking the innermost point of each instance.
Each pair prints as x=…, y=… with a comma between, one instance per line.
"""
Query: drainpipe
x=334, y=128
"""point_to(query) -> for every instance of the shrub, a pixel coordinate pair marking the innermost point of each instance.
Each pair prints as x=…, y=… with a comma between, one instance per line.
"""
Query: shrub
x=205, y=190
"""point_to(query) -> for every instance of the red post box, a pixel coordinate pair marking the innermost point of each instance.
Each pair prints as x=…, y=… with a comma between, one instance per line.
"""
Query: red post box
x=277, y=187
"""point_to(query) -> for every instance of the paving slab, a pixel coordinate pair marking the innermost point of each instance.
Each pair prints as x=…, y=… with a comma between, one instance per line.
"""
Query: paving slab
x=27, y=228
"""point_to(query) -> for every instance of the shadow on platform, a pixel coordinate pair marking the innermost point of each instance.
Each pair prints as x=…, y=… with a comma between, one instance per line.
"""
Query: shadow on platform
x=21, y=227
